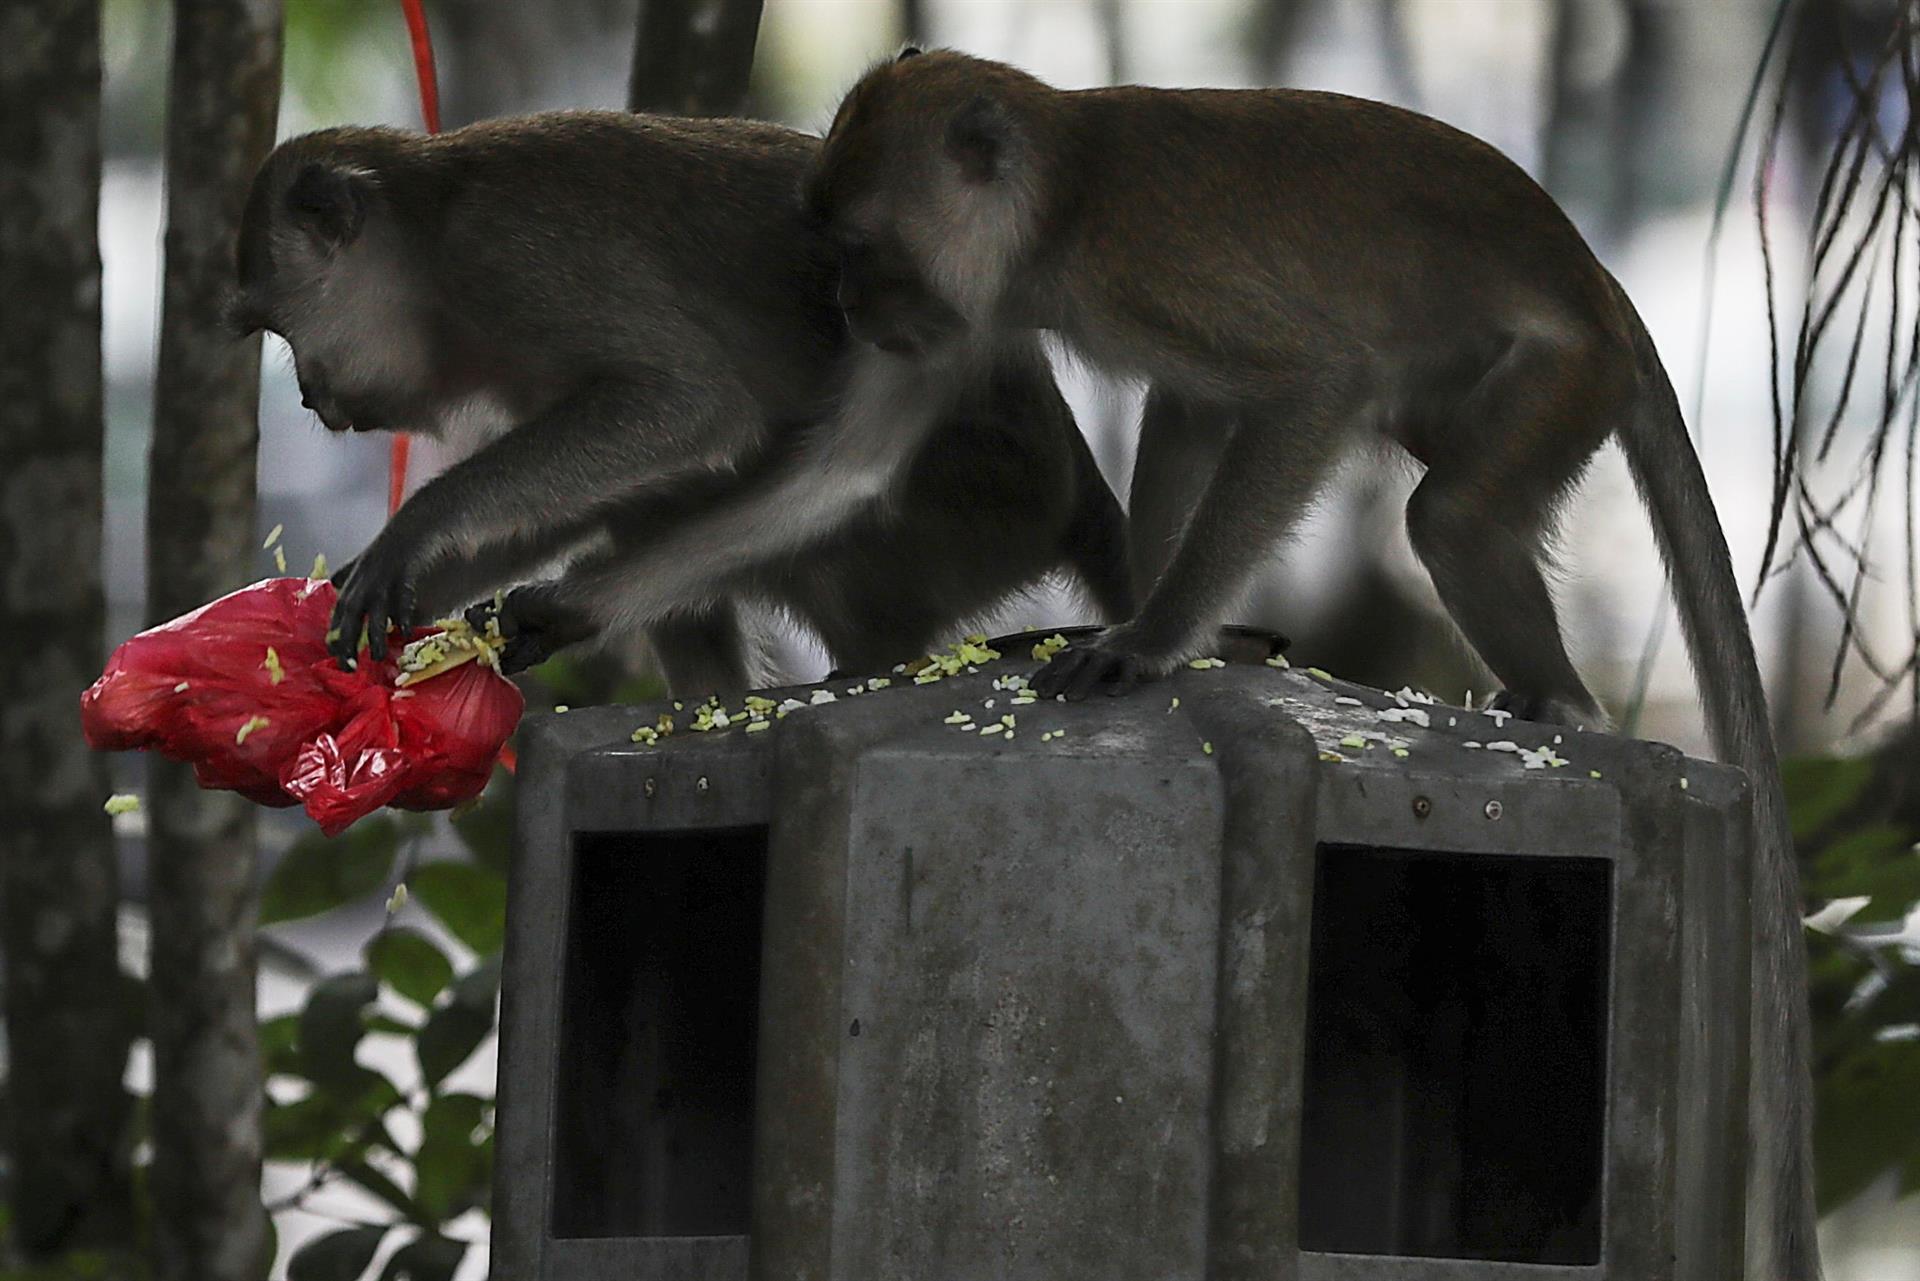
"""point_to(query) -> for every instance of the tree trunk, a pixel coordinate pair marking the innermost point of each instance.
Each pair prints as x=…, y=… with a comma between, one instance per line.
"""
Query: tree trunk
x=693, y=57
x=914, y=29
x=66, y=1016
x=1113, y=38
x=224, y=96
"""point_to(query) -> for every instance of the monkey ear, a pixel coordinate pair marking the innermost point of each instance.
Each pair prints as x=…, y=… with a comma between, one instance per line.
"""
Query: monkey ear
x=978, y=137
x=910, y=51
x=329, y=203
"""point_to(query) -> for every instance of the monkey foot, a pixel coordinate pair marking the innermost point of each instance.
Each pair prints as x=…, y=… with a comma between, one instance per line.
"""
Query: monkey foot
x=1079, y=671
x=1545, y=710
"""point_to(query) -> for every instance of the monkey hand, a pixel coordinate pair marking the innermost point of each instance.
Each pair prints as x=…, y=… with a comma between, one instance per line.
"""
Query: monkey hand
x=536, y=622
x=1117, y=659
x=376, y=593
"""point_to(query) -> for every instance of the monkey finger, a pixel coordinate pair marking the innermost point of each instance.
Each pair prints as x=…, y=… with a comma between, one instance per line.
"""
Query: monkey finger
x=478, y=616
x=343, y=629
x=1050, y=679
x=528, y=649
x=406, y=607
x=1095, y=669
x=377, y=625
x=1126, y=675
x=1073, y=673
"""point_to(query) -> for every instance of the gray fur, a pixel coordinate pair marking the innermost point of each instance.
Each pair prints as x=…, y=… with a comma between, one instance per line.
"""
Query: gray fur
x=624, y=322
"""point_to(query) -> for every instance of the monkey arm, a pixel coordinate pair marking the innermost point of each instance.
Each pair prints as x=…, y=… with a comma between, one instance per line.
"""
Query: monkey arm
x=450, y=584
x=664, y=567
x=556, y=472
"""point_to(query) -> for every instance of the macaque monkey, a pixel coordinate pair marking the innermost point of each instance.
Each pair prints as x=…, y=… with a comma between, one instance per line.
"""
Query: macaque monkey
x=614, y=321
x=1293, y=273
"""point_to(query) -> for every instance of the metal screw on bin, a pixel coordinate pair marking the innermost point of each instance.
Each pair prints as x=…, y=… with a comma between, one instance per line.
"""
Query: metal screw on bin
x=1494, y=810
x=701, y=786
x=1422, y=807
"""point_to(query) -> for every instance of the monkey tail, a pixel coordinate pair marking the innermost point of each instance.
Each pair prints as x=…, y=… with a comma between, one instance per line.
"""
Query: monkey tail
x=1094, y=542
x=1781, y=1241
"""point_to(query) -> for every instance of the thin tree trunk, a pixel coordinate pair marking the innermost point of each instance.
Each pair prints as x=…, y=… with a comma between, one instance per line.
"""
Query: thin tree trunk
x=914, y=29
x=1113, y=38
x=224, y=96
x=693, y=57
x=66, y=1015
x=1271, y=34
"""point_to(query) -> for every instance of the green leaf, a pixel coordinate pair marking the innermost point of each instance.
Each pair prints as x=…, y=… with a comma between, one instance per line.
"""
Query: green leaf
x=453, y=1162
x=319, y=874
x=337, y=1256
x=425, y=1258
x=409, y=963
x=487, y=829
x=333, y=1125
x=470, y=901
x=1867, y=1118
x=391, y=1026
x=279, y=1045
x=373, y=1181
x=455, y=1030
x=1876, y=861
x=1821, y=788
x=332, y=1024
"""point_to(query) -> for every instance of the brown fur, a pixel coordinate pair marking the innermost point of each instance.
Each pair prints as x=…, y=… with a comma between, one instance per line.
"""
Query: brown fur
x=1291, y=272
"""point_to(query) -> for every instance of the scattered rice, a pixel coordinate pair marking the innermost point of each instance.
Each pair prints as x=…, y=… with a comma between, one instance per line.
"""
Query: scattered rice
x=1046, y=649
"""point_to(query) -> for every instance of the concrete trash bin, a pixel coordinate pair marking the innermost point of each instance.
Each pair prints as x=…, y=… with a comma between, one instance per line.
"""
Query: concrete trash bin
x=1252, y=974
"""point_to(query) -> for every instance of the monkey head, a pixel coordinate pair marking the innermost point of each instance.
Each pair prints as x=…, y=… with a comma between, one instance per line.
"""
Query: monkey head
x=325, y=264
x=925, y=186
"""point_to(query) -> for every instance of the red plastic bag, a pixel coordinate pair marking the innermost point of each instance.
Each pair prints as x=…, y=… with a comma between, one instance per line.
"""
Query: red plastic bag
x=243, y=689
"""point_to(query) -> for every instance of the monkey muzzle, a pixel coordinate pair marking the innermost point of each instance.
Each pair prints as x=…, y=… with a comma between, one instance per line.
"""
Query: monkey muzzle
x=335, y=416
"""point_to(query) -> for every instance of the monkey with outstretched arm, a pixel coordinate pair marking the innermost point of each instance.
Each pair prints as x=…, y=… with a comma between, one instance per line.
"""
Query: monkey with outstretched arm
x=618, y=321
x=1293, y=273
x=1004, y=492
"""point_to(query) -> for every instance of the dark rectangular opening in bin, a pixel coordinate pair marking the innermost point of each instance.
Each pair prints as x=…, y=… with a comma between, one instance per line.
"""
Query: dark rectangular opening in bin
x=1455, y=1102
x=653, y=1111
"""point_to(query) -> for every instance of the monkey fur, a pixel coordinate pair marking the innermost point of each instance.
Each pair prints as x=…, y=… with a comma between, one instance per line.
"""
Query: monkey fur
x=1291, y=272
x=616, y=320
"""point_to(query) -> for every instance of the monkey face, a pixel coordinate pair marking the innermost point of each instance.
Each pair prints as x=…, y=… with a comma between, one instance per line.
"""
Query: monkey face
x=321, y=267
x=888, y=305
x=920, y=184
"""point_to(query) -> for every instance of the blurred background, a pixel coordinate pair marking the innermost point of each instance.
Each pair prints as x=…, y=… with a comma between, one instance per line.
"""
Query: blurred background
x=1635, y=114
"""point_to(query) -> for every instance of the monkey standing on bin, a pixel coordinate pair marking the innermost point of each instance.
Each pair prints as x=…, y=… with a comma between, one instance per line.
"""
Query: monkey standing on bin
x=1291, y=273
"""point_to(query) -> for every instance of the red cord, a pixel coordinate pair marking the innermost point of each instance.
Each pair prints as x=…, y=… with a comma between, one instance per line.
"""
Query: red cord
x=423, y=64
x=429, y=113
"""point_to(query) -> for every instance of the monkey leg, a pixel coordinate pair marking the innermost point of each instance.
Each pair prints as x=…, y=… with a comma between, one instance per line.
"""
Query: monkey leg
x=1478, y=522
x=702, y=652
x=1270, y=470
x=1180, y=446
